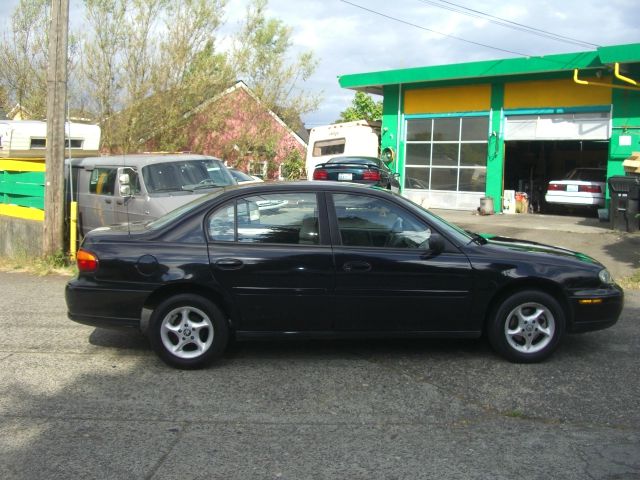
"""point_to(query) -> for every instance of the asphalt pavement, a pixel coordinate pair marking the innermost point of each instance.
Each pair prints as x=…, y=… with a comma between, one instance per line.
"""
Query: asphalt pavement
x=83, y=403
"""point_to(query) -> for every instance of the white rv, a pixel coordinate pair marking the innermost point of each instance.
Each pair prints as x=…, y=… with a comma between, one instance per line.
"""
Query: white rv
x=28, y=139
x=359, y=138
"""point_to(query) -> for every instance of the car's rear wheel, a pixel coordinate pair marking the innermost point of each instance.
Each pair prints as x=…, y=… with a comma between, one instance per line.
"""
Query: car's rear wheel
x=527, y=326
x=188, y=331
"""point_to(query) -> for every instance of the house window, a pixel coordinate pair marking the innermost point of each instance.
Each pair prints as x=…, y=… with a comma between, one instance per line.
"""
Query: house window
x=447, y=153
x=258, y=168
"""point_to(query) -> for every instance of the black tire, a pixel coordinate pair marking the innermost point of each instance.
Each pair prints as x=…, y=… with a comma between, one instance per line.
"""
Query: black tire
x=527, y=326
x=198, y=341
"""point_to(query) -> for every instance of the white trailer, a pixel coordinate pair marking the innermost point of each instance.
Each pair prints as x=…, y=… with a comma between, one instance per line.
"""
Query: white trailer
x=28, y=139
x=359, y=138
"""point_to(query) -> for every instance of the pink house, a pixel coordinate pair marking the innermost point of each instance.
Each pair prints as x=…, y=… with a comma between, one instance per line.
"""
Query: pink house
x=235, y=126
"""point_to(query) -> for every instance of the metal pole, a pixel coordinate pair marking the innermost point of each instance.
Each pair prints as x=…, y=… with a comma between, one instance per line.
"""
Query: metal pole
x=53, y=231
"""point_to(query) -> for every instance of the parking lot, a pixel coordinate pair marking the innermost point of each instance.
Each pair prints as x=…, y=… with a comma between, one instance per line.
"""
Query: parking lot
x=79, y=402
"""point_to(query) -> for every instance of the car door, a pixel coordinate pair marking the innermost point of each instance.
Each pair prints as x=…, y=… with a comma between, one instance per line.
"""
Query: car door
x=272, y=254
x=133, y=208
x=386, y=277
x=96, y=197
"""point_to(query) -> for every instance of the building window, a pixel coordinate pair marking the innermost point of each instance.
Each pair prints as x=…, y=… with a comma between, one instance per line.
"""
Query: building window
x=447, y=153
x=37, y=143
x=329, y=147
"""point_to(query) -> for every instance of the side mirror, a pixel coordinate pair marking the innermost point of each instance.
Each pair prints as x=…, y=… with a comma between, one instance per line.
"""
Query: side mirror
x=124, y=179
x=436, y=243
x=125, y=190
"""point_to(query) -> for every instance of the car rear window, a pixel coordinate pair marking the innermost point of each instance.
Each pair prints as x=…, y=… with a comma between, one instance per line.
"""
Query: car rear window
x=587, y=175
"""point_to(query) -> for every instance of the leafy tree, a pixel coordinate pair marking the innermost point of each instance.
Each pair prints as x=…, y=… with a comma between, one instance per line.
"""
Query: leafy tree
x=23, y=56
x=363, y=107
x=260, y=58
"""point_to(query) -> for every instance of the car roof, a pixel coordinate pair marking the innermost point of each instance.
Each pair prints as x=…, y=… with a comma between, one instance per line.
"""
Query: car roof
x=302, y=185
x=137, y=160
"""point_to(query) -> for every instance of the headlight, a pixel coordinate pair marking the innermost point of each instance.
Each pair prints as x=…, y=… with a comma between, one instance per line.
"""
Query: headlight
x=605, y=276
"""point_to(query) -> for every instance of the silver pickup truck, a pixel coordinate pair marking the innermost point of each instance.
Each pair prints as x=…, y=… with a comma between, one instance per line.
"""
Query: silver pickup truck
x=130, y=188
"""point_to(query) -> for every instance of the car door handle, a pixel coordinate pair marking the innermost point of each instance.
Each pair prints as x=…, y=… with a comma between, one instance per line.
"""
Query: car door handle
x=356, y=267
x=107, y=200
x=229, y=263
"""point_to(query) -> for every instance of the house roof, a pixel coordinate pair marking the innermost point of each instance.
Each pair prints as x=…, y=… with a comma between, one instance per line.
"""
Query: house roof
x=603, y=57
x=240, y=85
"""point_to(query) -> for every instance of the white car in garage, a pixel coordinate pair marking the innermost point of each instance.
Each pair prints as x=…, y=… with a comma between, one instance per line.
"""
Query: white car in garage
x=580, y=187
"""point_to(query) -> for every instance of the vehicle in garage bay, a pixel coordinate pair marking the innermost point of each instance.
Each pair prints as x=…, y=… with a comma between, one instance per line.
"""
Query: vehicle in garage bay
x=580, y=187
x=336, y=260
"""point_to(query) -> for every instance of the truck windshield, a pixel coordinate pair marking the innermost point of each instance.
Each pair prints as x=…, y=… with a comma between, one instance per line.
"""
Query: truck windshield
x=186, y=175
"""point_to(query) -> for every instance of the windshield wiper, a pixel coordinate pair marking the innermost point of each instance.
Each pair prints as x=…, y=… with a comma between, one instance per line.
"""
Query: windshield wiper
x=206, y=185
x=476, y=237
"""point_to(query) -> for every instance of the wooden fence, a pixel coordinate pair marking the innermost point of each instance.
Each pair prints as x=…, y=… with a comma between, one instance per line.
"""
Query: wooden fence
x=22, y=188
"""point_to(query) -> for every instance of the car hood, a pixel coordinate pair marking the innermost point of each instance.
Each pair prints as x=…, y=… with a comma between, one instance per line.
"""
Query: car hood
x=525, y=246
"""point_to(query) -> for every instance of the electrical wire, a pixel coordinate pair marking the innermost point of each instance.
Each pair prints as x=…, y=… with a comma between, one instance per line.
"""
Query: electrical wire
x=434, y=31
x=508, y=23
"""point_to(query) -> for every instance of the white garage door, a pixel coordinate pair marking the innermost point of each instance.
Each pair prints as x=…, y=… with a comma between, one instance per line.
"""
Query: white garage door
x=576, y=126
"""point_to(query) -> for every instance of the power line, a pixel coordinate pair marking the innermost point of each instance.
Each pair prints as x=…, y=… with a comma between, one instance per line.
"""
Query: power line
x=508, y=23
x=434, y=31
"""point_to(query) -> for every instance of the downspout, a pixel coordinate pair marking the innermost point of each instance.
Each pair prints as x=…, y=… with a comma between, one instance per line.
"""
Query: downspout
x=606, y=85
x=619, y=76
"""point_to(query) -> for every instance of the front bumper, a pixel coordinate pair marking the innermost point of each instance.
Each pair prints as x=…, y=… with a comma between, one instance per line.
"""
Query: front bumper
x=104, y=306
x=595, y=309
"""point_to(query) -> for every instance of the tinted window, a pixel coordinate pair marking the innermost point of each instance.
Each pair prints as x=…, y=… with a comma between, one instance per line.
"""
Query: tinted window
x=103, y=181
x=284, y=218
x=365, y=221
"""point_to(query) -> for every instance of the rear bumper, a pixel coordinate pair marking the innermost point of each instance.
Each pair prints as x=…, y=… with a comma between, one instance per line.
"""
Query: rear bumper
x=574, y=199
x=104, y=307
x=595, y=309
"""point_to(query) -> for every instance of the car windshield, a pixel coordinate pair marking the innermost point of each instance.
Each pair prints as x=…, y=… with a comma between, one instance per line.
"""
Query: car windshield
x=182, y=210
x=587, y=174
x=194, y=174
x=442, y=225
x=240, y=176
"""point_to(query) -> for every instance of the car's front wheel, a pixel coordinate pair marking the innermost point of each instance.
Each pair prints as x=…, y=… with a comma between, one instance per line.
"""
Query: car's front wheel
x=188, y=331
x=527, y=326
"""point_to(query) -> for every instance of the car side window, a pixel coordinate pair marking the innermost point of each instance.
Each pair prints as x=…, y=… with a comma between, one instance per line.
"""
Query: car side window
x=103, y=181
x=365, y=221
x=281, y=218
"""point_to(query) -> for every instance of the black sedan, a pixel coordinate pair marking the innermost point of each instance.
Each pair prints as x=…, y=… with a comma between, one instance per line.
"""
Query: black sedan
x=366, y=170
x=334, y=261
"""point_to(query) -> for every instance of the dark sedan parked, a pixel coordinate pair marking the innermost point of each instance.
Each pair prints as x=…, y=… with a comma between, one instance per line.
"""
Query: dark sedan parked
x=335, y=260
x=366, y=170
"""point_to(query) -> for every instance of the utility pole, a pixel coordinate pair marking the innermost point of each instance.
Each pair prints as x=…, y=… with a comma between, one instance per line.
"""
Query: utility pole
x=53, y=232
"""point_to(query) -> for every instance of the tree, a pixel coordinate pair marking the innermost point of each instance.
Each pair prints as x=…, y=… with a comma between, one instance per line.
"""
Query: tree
x=260, y=58
x=363, y=107
x=23, y=56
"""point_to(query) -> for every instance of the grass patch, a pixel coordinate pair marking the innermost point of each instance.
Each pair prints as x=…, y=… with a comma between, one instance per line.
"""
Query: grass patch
x=632, y=282
x=55, y=264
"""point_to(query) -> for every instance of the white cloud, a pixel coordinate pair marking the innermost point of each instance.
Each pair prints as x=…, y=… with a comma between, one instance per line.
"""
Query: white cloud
x=347, y=39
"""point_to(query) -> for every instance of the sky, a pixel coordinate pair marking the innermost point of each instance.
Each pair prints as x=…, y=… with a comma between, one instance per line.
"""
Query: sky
x=357, y=36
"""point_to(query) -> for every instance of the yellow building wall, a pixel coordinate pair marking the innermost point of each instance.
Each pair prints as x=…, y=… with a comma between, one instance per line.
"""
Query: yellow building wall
x=469, y=98
x=556, y=93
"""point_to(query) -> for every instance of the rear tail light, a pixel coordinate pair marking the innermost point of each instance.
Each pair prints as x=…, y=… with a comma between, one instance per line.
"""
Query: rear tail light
x=320, y=174
x=590, y=188
x=556, y=186
x=87, y=261
x=371, y=175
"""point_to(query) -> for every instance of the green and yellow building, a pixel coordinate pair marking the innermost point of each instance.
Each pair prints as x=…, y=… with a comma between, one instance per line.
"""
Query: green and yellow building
x=461, y=132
